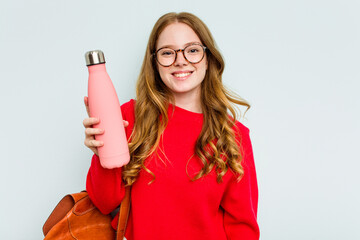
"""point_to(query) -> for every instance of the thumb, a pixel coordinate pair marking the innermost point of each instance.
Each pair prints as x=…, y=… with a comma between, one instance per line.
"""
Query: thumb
x=86, y=102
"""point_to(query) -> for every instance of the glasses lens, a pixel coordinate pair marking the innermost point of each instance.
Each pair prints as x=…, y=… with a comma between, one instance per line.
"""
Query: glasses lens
x=165, y=56
x=194, y=53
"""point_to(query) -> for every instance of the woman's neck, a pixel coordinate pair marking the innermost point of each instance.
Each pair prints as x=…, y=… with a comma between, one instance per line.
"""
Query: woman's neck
x=189, y=102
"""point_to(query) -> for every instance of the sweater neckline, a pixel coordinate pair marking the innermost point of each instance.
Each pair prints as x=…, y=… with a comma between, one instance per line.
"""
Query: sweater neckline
x=178, y=111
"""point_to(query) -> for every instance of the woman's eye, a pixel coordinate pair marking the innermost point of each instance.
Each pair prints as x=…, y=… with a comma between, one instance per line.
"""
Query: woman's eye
x=166, y=53
x=193, y=50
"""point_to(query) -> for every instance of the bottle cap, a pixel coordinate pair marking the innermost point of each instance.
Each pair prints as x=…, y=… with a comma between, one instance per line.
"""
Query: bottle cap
x=94, y=57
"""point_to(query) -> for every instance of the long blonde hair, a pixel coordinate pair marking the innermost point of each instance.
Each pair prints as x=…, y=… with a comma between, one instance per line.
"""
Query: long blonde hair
x=217, y=138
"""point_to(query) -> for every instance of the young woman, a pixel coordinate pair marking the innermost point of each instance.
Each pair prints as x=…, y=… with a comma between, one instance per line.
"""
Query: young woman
x=192, y=169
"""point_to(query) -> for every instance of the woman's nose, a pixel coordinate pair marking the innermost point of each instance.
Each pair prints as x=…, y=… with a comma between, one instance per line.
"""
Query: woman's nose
x=180, y=59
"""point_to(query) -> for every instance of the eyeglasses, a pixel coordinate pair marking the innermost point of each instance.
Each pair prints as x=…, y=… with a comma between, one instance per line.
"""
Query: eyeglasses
x=193, y=53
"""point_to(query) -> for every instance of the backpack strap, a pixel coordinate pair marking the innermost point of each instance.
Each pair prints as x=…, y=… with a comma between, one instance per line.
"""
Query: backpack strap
x=123, y=215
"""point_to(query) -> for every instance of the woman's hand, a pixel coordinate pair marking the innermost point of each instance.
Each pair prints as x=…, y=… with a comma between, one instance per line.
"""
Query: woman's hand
x=90, y=132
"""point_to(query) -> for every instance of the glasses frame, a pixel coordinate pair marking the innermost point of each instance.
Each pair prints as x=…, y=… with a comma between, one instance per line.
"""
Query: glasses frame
x=180, y=50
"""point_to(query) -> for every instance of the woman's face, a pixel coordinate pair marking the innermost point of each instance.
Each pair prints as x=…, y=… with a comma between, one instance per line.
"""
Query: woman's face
x=182, y=78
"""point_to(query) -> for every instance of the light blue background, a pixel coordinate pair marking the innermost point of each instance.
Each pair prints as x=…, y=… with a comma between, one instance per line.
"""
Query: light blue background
x=296, y=62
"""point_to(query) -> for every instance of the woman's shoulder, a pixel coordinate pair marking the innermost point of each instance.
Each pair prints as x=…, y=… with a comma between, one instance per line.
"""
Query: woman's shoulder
x=128, y=109
x=241, y=127
x=128, y=105
x=128, y=114
x=242, y=133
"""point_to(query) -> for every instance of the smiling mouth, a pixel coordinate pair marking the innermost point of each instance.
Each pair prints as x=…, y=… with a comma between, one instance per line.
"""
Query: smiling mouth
x=182, y=75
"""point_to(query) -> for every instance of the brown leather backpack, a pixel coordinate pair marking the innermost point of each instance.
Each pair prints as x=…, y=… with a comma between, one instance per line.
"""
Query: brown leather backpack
x=76, y=217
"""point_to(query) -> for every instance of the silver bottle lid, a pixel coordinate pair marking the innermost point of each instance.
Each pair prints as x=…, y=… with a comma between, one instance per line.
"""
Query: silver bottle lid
x=94, y=57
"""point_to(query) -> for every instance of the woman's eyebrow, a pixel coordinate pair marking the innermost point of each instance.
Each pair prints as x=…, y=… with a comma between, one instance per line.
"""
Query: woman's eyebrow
x=173, y=46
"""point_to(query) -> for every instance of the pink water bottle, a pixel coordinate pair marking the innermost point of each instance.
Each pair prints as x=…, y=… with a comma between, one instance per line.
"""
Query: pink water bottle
x=104, y=104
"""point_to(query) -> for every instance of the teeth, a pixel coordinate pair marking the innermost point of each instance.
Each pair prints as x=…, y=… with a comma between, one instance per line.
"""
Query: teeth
x=180, y=75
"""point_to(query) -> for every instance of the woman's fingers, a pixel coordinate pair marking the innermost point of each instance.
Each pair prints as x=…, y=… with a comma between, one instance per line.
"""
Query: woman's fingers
x=90, y=132
x=94, y=131
x=92, y=143
x=88, y=122
x=94, y=150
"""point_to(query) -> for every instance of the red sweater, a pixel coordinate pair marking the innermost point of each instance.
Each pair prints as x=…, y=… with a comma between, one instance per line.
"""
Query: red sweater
x=174, y=207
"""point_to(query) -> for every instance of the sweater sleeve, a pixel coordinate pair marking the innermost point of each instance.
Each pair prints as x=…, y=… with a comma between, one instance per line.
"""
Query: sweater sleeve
x=241, y=198
x=105, y=186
